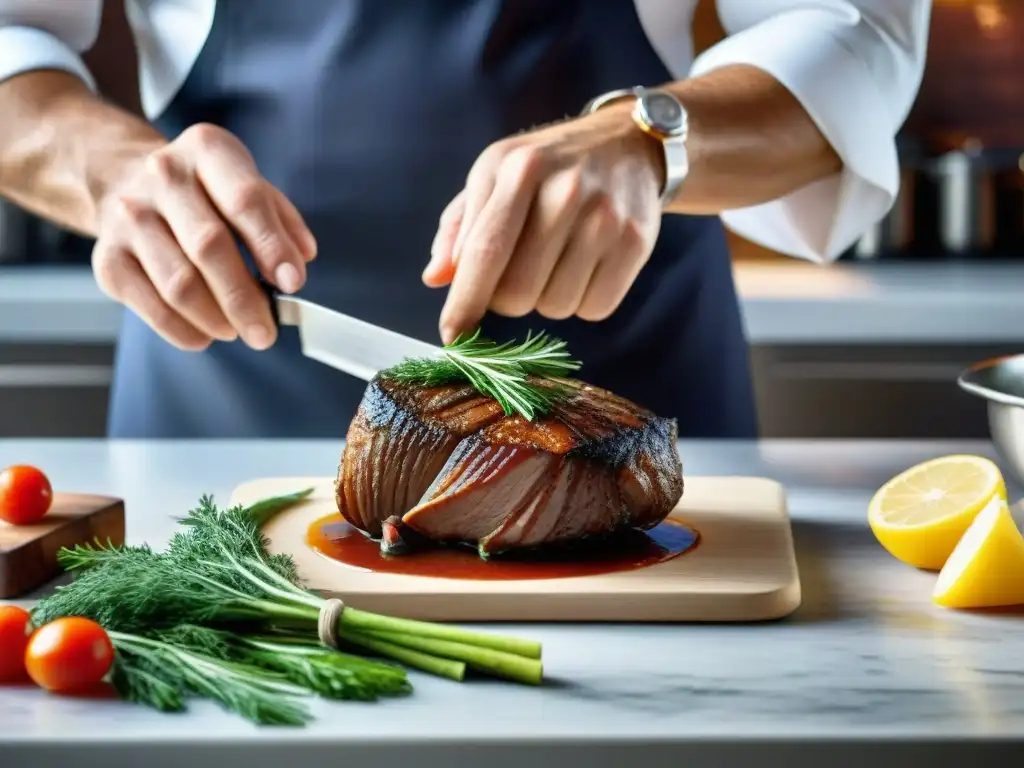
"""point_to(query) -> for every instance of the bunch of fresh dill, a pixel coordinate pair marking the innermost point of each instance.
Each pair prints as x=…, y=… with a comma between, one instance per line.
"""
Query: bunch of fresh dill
x=217, y=616
x=523, y=378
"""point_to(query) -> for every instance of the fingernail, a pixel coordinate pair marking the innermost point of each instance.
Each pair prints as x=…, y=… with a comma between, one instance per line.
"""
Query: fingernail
x=258, y=336
x=448, y=333
x=311, y=246
x=287, y=277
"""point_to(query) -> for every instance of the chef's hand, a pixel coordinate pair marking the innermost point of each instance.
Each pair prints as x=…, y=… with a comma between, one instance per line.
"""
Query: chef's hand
x=559, y=220
x=166, y=241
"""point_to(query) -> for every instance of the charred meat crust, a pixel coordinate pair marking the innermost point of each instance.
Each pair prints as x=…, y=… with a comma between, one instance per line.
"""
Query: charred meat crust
x=453, y=467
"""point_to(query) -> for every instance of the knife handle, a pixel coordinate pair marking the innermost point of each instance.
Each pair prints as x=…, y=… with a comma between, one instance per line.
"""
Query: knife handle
x=271, y=293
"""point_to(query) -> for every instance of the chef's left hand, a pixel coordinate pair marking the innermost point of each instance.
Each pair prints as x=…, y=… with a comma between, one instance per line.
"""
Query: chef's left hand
x=559, y=220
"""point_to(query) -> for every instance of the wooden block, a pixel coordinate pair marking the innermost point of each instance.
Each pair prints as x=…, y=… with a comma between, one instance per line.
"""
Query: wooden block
x=743, y=569
x=28, y=553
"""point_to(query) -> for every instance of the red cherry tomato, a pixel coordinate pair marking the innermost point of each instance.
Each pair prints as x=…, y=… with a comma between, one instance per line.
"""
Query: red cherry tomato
x=69, y=654
x=25, y=495
x=15, y=631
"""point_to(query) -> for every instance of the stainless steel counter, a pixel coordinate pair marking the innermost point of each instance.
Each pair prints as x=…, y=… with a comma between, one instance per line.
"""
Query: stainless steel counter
x=58, y=305
x=935, y=302
x=848, y=350
x=787, y=303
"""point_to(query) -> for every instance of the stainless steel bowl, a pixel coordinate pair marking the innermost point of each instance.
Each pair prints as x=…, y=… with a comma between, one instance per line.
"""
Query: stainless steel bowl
x=1000, y=381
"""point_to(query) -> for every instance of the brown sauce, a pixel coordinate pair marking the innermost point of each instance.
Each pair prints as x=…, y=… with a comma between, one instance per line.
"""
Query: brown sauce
x=336, y=540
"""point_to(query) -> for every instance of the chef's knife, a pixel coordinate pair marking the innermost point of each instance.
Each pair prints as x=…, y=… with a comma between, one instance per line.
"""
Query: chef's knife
x=346, y=343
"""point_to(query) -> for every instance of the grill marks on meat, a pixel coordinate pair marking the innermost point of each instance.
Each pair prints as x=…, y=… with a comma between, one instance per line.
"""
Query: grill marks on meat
x=454, y=468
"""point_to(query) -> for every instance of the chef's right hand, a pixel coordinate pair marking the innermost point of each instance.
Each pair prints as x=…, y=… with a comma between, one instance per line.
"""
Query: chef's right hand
x=166, y=242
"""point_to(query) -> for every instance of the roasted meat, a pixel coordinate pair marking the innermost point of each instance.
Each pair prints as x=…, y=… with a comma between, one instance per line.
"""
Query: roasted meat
x=453, y=468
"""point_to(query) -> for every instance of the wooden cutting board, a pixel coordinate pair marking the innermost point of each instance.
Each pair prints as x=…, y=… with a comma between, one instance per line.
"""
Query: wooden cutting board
x=28, y=553
x=742, y=569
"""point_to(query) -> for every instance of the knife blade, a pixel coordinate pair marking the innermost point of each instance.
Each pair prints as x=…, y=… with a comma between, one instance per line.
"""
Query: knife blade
x=346, y=343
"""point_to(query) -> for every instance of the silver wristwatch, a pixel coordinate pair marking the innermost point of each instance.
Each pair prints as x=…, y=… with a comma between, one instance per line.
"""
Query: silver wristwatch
x=661, y=115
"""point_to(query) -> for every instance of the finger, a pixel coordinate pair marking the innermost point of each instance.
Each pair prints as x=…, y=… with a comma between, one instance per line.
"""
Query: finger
x=123, y=279
x=441, y=268
x=295, y=225
x=545, y=234
x=565, y=289
x=479, y=186
x=205, y=239
x=614, y=276
x=489, y=245
x=176, y=279
x=249, y=204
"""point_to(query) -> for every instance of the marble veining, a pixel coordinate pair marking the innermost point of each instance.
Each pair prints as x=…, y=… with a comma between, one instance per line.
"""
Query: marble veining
x=867, y=656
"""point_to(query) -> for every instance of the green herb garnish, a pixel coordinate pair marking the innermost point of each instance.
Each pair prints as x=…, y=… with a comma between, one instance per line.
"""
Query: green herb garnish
x=522, y=377
x=217, y=616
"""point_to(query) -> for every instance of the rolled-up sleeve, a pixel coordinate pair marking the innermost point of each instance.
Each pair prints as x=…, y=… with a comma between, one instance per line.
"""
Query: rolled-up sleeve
x=47, y=34
x=856, y=68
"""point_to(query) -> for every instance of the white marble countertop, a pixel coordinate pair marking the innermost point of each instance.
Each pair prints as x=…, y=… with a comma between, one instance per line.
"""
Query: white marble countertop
x=782, y=303
x=866, y=669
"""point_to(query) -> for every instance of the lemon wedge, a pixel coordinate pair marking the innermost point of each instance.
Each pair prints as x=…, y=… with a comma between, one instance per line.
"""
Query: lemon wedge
x=921, y=513
x=986, y=569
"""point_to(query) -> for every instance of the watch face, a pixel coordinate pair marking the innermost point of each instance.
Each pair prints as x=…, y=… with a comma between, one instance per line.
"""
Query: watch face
x=663, y=112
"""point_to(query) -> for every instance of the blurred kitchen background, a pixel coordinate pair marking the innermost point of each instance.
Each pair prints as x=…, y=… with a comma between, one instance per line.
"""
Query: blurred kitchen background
x=869, y=347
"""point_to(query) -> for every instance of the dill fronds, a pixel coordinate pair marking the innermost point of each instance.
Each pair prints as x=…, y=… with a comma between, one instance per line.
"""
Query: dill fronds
x=217, y=616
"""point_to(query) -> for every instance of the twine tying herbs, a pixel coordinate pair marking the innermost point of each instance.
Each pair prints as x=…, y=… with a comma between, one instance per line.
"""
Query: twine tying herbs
x=327, y=622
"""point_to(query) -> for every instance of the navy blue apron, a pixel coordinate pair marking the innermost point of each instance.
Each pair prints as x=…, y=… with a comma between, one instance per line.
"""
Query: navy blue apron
x=368, y=115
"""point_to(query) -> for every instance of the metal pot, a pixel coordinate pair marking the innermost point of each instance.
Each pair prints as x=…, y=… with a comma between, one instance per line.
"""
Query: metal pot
x=1000, y=381
x=966, y=202
x=980, y=200
x=966, y=206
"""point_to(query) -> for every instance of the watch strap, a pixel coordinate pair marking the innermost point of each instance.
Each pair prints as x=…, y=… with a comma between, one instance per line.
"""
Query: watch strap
x=607, y=98
x=677, y=164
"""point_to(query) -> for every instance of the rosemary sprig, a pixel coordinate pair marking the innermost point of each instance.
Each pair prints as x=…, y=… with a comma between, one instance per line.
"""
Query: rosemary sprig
x=522, y=378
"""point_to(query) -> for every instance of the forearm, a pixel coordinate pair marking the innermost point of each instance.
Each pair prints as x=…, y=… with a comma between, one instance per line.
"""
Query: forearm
x=62, y=148
x=750, y=141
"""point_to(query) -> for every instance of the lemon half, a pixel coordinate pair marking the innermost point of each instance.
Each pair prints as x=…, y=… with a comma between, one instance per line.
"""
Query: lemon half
x=920, y=515
x=986, y=570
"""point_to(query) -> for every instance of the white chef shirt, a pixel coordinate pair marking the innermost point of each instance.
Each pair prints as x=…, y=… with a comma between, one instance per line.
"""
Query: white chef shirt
x=854, y=65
